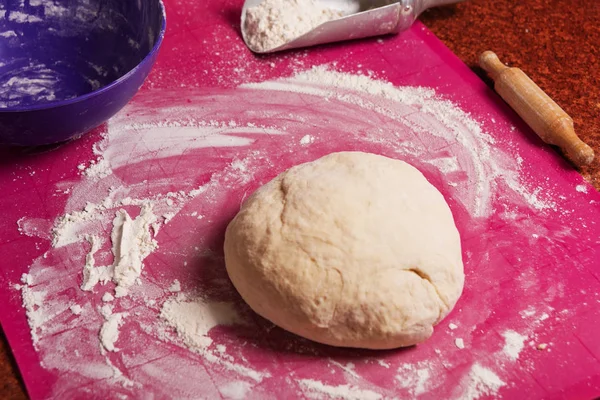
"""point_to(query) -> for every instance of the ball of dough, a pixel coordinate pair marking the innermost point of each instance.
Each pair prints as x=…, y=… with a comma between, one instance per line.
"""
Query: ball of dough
x=352, y=250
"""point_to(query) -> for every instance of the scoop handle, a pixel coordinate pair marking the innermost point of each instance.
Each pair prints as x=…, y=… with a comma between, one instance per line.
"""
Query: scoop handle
x=550, y=122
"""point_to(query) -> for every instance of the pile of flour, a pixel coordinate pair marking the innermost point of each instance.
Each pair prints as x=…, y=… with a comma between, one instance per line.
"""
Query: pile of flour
x=273, y=23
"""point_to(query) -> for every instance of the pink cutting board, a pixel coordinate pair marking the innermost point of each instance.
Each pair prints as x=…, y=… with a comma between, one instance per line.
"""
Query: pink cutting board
x=536, y=274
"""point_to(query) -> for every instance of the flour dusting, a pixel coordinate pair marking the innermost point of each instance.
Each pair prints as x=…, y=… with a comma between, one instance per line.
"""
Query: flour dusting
x=132, y=243
x=422, y=111
x=480, y=382
x=414, y=378
x=34, y=82
x=109, y=332
x=21, y=17
x=514, y=343
x=137, y=247
x=194, y=319
x=317, y=390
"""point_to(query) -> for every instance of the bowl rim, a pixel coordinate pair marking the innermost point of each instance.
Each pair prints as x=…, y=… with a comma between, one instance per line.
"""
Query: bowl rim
x=61, y=103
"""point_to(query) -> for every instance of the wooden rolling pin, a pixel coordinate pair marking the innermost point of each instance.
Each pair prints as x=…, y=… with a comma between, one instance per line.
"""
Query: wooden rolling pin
x=552, y=124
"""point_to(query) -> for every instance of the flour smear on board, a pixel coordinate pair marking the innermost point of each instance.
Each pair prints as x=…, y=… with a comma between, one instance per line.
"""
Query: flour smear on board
x=133, y=298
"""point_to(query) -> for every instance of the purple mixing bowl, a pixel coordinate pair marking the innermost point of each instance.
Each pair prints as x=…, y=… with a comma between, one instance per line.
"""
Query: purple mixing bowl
x=66, y=66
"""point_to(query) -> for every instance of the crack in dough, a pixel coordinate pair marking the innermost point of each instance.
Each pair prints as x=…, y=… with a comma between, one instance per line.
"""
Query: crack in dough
x=427, y=279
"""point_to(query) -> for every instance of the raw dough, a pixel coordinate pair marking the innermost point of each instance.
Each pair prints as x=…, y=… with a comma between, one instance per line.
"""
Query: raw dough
x=353, y=250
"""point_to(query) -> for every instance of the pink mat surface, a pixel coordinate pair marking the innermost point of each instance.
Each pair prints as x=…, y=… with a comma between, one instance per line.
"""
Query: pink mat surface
x=531, y=270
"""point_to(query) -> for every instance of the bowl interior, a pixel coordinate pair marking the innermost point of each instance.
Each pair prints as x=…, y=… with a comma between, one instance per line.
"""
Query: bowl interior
x=55, y=50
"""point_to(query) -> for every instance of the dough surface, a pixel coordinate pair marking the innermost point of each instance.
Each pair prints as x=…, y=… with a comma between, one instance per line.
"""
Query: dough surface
x=352, y=250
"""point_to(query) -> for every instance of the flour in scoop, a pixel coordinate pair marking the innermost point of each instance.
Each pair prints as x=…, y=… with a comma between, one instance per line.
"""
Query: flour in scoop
x=273, y=23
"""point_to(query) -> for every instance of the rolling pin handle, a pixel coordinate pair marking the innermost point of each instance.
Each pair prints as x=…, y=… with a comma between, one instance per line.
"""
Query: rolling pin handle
x=576, y=150
x=490, y=62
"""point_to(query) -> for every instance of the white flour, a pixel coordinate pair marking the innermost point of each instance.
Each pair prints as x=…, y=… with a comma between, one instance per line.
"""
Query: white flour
x=132, y=243
x=109, y=333
x=194, y=319
x=175, y=286
x=32, y=302
x=137, y=227
x=273, y=23
x=22, y=18
x=414, y=378
x=107, y=297
x=236, y=390
x=37, y=83
x=437, y=118
x=307, y=139
x=317, y=390
x=76, y=309
x=480, y=382
x=514, y=343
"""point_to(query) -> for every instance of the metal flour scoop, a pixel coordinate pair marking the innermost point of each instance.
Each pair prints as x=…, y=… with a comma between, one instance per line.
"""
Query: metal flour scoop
x=362, y=18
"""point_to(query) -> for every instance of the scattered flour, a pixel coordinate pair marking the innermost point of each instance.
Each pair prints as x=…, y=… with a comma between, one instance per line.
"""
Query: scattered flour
x=529, y=312
x=107, y=297
x=581, y=188
x=424, y=112
x=348, y=368
x=41, y=87
x=480, y=382
x=273, y=23
x=27, y=279
x=307, y=139
x=452, y=326
x=110, y=226
x=76, y=309
x=460, y=343
x=414, y=378
x=195, y=318
x=175, y=286
x=32, y=302
x=446, y=165
x=22, y=18
x=315, y=390
x=236, y=390
x=99, y=169
x=92, y=274
x=109, y=333
x=132, y=243
x=514, y=343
